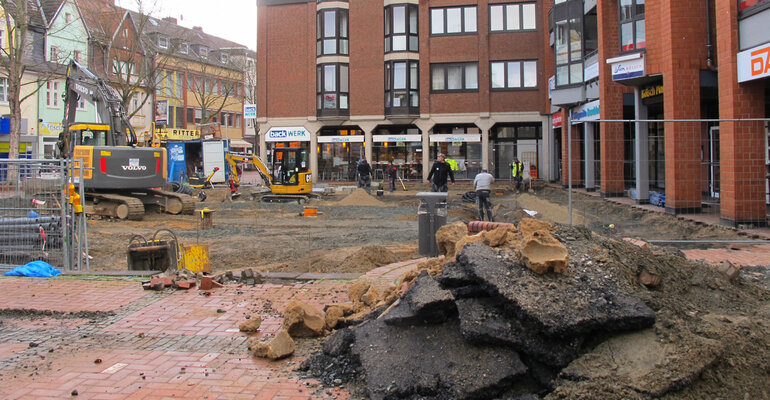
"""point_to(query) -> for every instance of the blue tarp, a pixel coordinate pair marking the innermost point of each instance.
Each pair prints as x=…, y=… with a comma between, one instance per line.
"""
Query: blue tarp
x=34, y=268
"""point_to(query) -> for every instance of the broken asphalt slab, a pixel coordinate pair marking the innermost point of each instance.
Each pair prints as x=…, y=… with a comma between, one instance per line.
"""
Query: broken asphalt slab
x=577, y=302
x=432, y=361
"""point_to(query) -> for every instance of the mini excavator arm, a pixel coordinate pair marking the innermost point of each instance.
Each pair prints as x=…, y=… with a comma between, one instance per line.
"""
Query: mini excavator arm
x=233, y=159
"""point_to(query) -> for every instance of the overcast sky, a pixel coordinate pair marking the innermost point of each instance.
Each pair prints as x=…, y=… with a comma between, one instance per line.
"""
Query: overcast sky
x=234, y=20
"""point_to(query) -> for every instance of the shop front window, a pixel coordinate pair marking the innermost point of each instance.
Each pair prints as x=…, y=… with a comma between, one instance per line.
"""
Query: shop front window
x=461, y=147
x=402, y=146
x=523, y=140
x=338, y=153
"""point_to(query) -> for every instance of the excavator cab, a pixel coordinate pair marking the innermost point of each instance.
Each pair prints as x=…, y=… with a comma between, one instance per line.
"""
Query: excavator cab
x=290, y=172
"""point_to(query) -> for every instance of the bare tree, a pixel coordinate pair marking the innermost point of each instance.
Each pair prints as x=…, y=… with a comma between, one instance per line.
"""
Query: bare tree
x=15, y=61
x=213, y=87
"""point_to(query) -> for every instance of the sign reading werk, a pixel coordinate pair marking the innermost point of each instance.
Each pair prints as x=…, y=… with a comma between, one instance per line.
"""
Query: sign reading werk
x=288, y=134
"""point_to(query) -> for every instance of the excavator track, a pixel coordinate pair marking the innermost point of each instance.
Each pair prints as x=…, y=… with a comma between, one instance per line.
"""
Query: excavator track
x=174, y=203
x=114, y=206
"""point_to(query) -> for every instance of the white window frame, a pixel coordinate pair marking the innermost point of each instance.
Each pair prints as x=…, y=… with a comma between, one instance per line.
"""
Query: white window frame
x=52, y=94
x=466, y=27
x=223, y=58
x=203, y=51
x=3, y=90
x=162, y=42
x=466, y=83
x=507, y=67
x=510, y=22
x=183, y=48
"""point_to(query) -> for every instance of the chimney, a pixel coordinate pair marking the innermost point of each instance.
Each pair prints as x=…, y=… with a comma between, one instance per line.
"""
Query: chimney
x=198, y=28
x=170, y=19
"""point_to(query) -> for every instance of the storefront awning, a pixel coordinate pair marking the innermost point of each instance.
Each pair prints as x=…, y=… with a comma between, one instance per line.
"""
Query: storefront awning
x=240, y=143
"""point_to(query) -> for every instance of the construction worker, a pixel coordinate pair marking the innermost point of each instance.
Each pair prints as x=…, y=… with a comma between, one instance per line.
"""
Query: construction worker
x=517, y=171
x=483, y=186
x=453, y=164
x=392, y=176
x=439, y=173
x=364, y=175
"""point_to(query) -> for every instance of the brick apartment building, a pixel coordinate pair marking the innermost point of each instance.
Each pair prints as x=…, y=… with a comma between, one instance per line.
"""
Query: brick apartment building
x=482, y=81
x=402, y=81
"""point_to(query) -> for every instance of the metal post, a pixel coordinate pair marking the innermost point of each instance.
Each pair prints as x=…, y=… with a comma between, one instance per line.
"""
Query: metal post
x=65, y=176
x=79, y=253
x=569, y=166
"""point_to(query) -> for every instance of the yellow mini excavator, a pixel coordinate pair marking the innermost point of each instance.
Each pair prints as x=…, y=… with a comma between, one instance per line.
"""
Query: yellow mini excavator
x=119, y=178
x=289, y=180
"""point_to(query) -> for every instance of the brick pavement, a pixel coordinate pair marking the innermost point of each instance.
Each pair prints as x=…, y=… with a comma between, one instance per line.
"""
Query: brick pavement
x=151, y=345
x=741, y=256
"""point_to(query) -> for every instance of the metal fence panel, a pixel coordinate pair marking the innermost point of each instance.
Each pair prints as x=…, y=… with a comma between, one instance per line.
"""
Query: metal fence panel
x=37, y=221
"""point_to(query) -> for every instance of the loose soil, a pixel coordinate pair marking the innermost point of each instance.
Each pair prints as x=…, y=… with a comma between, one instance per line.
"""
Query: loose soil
x=275, y=237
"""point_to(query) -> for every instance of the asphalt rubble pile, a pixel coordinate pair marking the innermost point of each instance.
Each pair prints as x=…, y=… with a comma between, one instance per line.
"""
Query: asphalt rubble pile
x=184, y=279
x=551, y=312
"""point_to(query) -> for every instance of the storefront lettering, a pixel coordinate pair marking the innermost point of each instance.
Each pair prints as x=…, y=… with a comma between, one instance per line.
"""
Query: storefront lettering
x=652, y=91
x=178, y=134
x=761, y=64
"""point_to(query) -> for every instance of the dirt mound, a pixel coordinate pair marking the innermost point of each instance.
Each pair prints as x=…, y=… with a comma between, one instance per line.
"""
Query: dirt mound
x=695, y=335
x=359, y=197
x=348, y=260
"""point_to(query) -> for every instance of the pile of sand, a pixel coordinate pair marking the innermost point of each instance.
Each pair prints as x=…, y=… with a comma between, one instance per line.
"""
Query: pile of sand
x=359, y=197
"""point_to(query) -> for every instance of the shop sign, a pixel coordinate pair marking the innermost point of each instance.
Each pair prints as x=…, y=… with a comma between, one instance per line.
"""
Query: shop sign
x=551, y=85
x=288, y=134
x=396, y=138
x=178, y=134
x=754, y=63
x=249, y=111
x=467, y=138
x=627, y=67
x=652, y=91
x=591, y=72
x=556, y=120
x=585, y=112
x=50, y=128
x=341, y=139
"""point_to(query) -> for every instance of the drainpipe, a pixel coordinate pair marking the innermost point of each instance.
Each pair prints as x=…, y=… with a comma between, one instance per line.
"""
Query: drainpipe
x=709, y=45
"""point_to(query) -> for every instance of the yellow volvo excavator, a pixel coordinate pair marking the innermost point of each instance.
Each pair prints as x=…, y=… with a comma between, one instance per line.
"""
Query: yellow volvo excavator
x=119, y=178
x=289, y=180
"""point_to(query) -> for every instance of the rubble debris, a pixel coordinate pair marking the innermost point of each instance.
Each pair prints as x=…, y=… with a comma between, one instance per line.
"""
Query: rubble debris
x=333, y=315
x=303, y=320
x=208, y=283
x=455, y=370
x=282, y=345
x=448, y=235
x=649, y=279
x=424, y=303
x=543, y=254
x=250, y=325
x=728, y=270
x=249, y=277
x=551, y=301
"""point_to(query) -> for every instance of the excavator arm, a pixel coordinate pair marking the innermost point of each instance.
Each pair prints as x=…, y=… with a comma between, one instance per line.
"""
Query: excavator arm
x=233, y=159
x=83, y=84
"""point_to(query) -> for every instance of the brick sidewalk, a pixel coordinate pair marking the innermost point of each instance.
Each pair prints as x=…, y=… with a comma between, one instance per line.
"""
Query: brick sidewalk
x=151, y=345
x=741, y=256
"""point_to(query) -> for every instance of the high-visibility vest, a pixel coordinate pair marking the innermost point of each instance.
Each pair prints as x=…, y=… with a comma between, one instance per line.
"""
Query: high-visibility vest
x=517, y=169
x=452, y=164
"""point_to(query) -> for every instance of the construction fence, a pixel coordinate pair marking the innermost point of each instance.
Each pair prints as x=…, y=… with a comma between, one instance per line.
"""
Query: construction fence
x=39, y=217
x=715, y=170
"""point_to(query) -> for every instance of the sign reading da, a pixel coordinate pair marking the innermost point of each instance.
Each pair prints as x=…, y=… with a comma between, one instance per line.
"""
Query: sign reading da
x=754, y=63
x=288, y=134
